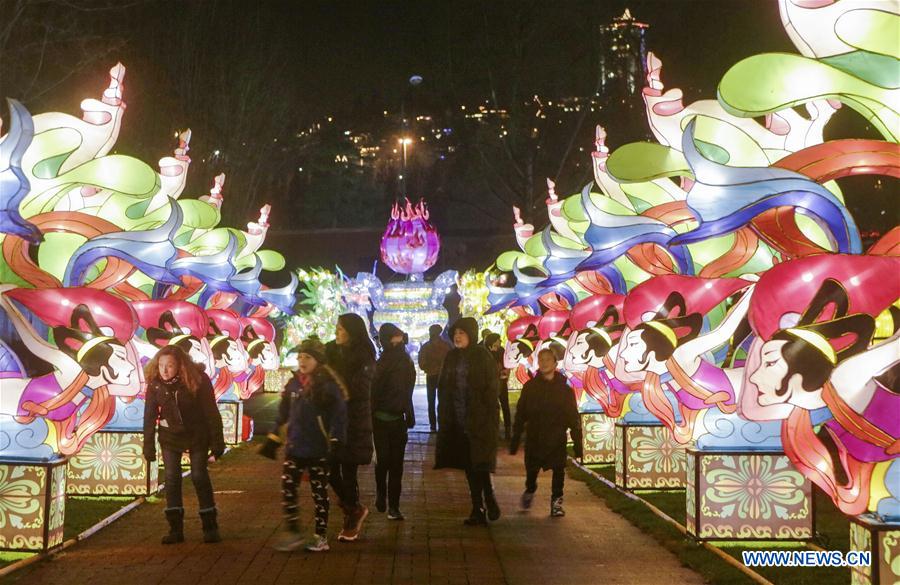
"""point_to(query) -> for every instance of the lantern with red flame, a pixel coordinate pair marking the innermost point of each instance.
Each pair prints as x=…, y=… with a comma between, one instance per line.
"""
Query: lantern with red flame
x=410, y=244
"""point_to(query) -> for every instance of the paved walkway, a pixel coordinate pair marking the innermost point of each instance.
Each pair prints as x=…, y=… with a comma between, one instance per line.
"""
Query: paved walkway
x=590, y=545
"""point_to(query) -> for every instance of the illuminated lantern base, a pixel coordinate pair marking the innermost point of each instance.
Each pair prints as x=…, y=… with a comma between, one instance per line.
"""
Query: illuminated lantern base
x=882, y=541
x=276, y=379
x=773, y=500
x=112, y=463
x=32, y=505
x=232, y=413
x=647, y=457
x=598, y=442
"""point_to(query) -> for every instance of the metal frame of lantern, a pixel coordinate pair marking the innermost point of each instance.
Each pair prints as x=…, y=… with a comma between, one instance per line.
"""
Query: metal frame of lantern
x=721, y=504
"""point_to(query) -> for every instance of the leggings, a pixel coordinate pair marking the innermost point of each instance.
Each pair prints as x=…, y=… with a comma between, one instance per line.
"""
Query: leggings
x=556, y=485
x=199, y=477
x=345, y=483
x=318, y=480
x=390, y=446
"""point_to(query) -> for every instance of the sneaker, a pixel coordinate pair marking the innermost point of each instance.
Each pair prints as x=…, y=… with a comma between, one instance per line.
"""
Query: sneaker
x=318, y=543
x=493, y=510
x=556, y=509
x=525, y=502
x=395, y=514
x=476, y=518
x=291, y=541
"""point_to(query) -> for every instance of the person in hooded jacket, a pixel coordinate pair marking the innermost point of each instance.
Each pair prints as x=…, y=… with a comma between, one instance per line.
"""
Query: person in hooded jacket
x=392, y=415
x=431, y=358
x=545, y=411
x=468, y=418
x=180, y=400
x=352, y=355
x=313, y=405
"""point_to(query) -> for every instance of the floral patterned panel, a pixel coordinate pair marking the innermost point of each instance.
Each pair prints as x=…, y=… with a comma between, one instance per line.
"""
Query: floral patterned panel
x=23, y=510
x=598, y=442
x=112, y=463
x=750, y=496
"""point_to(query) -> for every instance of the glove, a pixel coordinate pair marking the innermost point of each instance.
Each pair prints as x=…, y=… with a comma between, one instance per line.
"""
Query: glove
x=579, y=451
x=150, y=455
x=269, y=449
x=218, y=451
x=335, y=450
x=410, y=420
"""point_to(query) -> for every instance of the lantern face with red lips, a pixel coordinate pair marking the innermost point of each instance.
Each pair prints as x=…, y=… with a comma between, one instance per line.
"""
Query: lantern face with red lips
x=410, y=244
x=595, y=323
x=259, y=342
x=522, y=339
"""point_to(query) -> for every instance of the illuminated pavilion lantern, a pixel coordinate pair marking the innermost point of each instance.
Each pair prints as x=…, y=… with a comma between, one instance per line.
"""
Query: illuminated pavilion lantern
x=410, y=246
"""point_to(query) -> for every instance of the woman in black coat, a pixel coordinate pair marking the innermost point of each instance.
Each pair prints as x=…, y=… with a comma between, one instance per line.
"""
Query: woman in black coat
x=545, y=411
x=180, y=400
x=352, y=356
x=392, y=415
x=469, y=416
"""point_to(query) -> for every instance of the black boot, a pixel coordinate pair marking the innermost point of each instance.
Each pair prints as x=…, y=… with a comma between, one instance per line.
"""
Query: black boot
x=493, y=510
x=476, y=518
x=210, y=526
x=175, y=517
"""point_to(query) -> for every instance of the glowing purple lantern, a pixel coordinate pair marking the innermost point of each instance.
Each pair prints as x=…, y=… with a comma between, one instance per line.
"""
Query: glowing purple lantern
x=410, y=244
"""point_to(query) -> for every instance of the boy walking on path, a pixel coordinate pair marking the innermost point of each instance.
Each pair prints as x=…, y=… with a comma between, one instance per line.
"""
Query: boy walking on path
x=545, y=411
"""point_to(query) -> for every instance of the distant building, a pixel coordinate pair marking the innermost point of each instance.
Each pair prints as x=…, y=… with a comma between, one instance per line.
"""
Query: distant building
x=623, y=58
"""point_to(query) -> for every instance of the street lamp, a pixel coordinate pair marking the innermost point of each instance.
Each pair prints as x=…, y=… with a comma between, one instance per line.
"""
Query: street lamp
x=405, y=142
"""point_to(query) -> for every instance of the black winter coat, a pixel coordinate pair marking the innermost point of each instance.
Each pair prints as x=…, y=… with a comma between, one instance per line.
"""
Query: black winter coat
x=187, y=421
x=356, y=369
x=393, y=384
x=470, y=443
x=546, y=409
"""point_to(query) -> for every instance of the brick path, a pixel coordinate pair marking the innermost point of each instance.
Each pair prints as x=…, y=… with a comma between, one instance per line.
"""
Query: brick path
x=590, y=545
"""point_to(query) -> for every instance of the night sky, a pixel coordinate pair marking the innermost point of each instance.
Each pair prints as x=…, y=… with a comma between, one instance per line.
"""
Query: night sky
x=188, y=62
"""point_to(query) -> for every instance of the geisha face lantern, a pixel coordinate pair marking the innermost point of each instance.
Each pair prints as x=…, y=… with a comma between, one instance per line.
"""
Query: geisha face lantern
x=410, y=244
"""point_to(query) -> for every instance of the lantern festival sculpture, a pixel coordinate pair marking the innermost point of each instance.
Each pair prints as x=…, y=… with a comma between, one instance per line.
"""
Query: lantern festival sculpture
x=101, y=264
x=720, y=296
x=410, y=246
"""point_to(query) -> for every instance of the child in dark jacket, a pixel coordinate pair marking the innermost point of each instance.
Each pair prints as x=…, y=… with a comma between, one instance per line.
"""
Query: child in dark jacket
x=545, y=411
x=392, y=415
x=314, y=406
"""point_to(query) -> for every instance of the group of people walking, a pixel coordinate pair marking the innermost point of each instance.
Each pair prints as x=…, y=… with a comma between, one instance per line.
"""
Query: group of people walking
x=342, y=405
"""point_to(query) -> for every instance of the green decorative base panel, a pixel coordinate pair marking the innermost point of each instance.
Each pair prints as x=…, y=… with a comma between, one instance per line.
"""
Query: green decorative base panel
x=112, y=463
x=32, y=505
x=647, y=457
x=598, y=433
x=747, y=495
x=232, y=413
x=883, y=542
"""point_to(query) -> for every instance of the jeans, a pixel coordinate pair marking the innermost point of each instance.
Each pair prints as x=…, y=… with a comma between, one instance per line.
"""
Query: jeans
x=481, y=488
x=199, y=476
x=431, y=382
x=318, y=481
x=390, y=447
x=559, y=478
x=344, y=482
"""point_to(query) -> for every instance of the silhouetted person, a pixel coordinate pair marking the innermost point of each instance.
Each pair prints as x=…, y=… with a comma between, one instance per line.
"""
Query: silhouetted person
x=431, y=358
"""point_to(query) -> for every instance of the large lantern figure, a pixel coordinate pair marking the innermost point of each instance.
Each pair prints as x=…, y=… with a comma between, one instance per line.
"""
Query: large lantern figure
x=410, y=244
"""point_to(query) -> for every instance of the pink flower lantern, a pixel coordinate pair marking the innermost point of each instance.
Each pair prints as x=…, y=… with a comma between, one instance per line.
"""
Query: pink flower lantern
x=410, y=244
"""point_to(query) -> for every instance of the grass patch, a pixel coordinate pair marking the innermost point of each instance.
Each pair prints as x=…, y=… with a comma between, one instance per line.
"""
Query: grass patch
x=8, y=558
x=83, y=512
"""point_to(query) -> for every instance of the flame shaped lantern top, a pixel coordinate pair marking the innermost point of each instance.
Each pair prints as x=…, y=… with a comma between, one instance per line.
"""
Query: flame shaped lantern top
x=410, y=244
